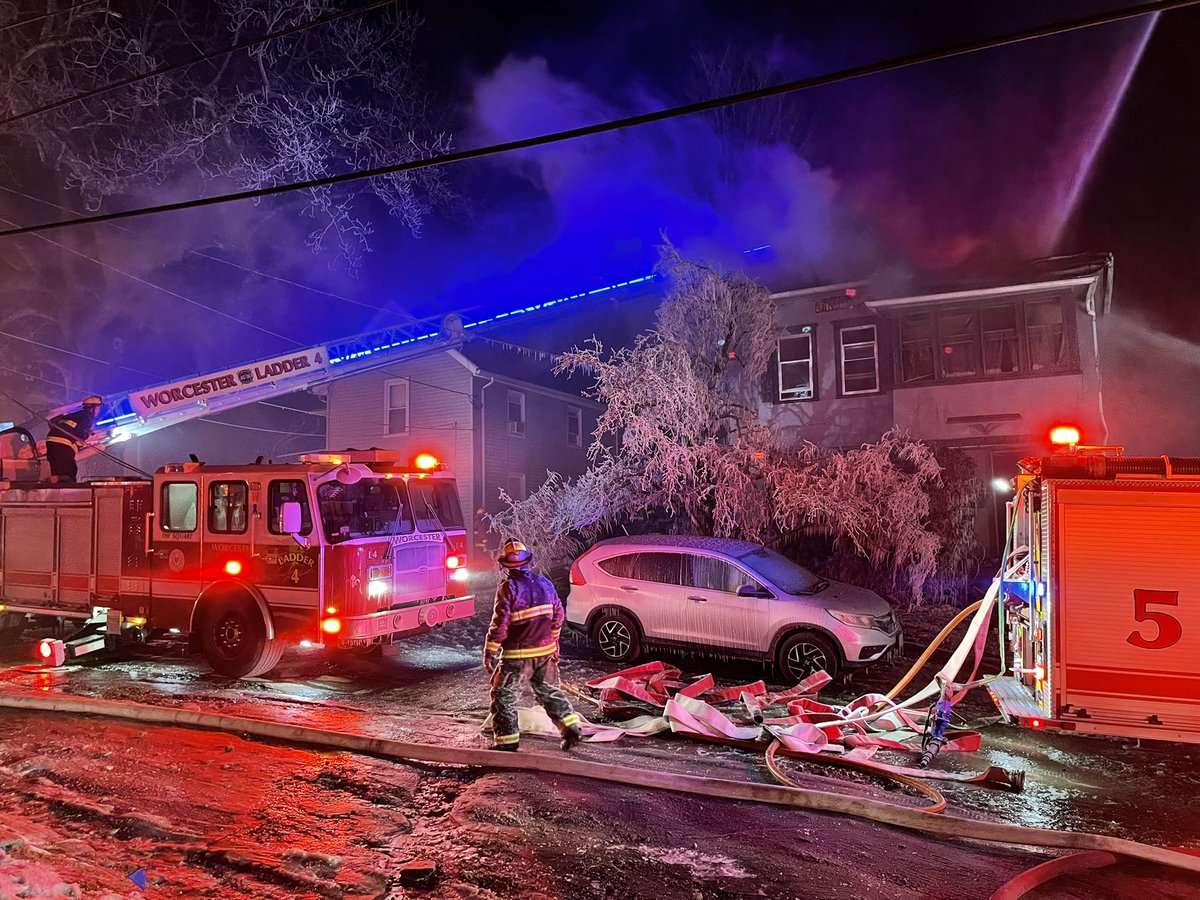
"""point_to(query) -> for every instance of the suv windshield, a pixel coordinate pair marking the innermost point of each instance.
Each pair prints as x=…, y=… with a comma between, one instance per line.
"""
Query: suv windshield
x=365, y=509
x=435, y=503
x=782, y=572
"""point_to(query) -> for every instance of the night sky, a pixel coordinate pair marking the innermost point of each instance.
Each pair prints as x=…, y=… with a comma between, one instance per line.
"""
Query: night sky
x=1009, y=154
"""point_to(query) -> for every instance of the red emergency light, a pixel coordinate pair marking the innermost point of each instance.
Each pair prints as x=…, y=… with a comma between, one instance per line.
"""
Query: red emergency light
x=331, y=626
x=1065, y=436
x=454, y=562
x=52, y=652
x=426, y=461
x=233, y=567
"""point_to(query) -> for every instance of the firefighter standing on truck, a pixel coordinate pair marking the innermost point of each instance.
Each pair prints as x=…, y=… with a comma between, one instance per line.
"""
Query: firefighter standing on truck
x=68, y=433
x=525, y=626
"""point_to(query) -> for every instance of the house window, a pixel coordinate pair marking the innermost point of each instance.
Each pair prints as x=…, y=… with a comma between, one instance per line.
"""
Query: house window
x=575, y=426
x=227, y=507
x=916, y=347
x=1001, y=346
x=516, y=412
x=515, y=486
x=989, y=340
x=1044, y=326
x=858, y=351
x=796, y=365
x=959, y=344
x=396, y=403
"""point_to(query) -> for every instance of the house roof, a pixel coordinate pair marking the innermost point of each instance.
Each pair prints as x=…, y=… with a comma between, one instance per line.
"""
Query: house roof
x=514, y=362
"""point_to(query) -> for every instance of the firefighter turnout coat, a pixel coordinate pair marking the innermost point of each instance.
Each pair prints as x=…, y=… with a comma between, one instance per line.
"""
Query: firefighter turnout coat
x=527, y=619
x=71, y=429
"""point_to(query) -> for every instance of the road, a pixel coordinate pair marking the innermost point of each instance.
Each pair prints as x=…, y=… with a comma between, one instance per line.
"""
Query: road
x=88, y=801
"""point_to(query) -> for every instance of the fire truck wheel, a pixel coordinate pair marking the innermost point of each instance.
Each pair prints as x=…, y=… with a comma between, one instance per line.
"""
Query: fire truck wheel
x=804, y=653
x=234, y=639
x=11, y=627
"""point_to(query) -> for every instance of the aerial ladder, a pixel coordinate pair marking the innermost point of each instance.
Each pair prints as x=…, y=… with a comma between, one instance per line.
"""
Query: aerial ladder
x=140, y=412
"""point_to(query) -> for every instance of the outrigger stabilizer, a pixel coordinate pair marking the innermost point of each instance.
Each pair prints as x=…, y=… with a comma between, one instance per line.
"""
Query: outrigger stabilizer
x=103, y=631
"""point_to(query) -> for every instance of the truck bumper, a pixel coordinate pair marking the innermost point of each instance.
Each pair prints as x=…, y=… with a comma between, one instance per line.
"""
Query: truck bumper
x=359, y=629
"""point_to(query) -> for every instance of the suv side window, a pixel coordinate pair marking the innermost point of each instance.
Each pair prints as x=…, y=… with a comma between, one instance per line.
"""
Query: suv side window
x=620, y=566
x=711, y=574
x=661, y=568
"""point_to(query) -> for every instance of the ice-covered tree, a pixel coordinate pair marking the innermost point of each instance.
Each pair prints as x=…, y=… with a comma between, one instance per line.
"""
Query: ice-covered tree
x=341, y=96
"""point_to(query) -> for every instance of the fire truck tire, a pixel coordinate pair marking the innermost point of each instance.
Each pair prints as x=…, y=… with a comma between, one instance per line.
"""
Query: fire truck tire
x=11, y=627
x=233, y=637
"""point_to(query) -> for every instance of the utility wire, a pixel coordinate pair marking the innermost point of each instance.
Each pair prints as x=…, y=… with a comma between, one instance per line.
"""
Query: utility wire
x=49, y=15
x=875, y=68
x=203, y=57
x=103, y=362
x=158, y=287
x=226, y=262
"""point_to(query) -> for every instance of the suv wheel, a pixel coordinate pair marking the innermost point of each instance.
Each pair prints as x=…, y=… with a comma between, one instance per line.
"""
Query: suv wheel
x=804, y=653
x=616, y=637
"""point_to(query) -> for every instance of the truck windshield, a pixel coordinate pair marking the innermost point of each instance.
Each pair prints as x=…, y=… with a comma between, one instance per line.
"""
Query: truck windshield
x=366, y=509
x=436, y=501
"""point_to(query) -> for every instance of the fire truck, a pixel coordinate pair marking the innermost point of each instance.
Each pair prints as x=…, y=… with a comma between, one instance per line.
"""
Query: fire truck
x=340, y=549
x=1101, y=623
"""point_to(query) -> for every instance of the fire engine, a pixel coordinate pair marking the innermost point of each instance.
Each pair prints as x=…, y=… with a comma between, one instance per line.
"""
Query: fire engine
x=342, y=549
x=1102, y=621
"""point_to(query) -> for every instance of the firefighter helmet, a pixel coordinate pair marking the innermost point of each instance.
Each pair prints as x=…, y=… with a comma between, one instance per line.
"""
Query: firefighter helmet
x=515, y=555
x=93, y=400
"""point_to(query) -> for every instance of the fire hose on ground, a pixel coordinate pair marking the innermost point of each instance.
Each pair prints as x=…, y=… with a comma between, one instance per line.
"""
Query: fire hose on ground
x=719, y=788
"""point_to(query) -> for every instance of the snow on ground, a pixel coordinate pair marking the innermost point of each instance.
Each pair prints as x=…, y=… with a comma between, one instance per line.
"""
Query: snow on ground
x=86, y=802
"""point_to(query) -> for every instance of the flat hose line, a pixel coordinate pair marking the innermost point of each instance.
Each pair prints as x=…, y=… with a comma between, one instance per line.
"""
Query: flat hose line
x=725, y=789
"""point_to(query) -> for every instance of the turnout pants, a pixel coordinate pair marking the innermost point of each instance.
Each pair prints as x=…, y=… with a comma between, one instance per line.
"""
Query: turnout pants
x=542, y=675
x=62, y=460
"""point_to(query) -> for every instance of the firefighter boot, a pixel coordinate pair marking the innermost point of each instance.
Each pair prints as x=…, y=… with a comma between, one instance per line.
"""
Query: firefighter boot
x=571, y=736
x=511, y=748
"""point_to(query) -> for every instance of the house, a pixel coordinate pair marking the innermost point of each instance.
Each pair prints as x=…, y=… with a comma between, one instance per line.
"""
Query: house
x=493, y=412
x=986, y=364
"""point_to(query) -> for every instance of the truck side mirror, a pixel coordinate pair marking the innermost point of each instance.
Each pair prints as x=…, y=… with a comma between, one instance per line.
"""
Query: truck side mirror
x=291, y=517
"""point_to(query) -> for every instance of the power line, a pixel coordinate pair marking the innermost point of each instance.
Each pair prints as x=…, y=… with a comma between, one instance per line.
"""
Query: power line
x=103, y=362
x=158, y=287
x=888, y=65
x=49, y=15
x=204, y=57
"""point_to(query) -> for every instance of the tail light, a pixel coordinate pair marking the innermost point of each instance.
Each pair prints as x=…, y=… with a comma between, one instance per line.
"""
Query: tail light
x=331, y=626
x=577, y=574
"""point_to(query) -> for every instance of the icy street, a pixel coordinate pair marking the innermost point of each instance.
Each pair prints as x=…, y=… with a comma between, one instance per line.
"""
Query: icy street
x=89, y=801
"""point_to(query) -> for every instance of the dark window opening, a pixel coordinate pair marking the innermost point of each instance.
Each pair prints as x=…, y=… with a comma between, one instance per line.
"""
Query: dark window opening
x=177, y=511
x=797, y=366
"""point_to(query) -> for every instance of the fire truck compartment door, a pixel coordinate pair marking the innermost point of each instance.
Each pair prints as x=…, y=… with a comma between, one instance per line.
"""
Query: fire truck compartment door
x=1127, y=596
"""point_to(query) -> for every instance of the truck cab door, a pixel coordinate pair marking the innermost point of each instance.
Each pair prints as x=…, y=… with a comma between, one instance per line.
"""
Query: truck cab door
x=177, y=564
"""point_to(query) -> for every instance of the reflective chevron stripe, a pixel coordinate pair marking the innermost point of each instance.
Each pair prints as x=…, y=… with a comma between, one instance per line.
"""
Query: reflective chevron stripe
x=533, y=612
x=532, y=652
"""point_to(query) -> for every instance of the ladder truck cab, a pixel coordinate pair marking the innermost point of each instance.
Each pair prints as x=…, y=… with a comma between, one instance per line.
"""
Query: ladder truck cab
x=340, y=549
x=1101, y=623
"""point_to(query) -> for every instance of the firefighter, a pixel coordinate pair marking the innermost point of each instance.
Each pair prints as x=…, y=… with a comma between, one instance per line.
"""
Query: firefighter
x=522, y=645
x=68, y=433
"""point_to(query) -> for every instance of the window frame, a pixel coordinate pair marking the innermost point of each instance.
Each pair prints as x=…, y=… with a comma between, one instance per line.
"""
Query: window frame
x=388, y=408
x=212, y=507
x=576, y=413
x=1024, y=369
x=841, y=328
x=508, y=480
x=523, y=425
x=799, y=331
x=306, y=528
x=163, y=505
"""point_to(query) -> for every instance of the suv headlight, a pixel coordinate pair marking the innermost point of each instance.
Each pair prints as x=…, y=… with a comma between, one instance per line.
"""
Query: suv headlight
x=855, y=620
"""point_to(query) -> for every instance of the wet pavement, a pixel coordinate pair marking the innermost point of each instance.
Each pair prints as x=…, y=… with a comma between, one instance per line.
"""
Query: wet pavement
x=86, y=801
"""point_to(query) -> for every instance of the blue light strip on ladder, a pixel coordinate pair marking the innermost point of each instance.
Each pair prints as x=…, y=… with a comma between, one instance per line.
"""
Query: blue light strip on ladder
x=342, y=352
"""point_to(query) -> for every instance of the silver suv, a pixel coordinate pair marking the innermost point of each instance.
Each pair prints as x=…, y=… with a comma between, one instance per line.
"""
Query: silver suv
x=730, y=597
